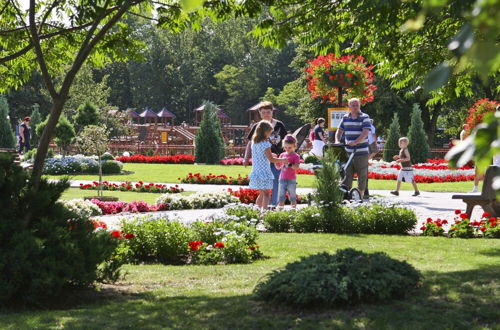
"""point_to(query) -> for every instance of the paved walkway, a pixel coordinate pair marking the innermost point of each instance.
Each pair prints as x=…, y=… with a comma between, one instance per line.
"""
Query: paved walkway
x=428, y=204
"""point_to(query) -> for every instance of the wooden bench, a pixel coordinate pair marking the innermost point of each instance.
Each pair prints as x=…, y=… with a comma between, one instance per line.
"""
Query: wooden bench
x=487, y=198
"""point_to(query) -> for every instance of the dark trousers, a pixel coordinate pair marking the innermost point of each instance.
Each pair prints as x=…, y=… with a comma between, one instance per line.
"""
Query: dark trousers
x=26, y=145
x=359, y=165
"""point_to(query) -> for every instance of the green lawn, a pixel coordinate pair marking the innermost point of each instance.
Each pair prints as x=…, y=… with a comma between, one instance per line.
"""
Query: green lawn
x=461, y=290
x=171, y=173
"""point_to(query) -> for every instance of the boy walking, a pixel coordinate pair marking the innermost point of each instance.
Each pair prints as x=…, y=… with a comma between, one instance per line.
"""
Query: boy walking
x=406, y=171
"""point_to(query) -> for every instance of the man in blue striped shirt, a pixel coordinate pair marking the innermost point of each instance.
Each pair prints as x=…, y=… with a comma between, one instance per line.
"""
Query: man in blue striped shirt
x=355, y=126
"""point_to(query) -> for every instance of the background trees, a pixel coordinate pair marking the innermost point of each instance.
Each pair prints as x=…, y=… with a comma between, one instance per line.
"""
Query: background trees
x=7, y=139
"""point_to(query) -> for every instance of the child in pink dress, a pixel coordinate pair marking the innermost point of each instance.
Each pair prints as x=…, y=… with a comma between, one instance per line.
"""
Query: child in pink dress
x=288, y=175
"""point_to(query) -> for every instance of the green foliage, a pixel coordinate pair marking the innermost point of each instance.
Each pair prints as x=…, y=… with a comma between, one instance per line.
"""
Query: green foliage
x=245, y=213
x=87, y=114
x=418, y=147
x=111, y=167
x=309, y=220
x=391, y=147
x=36, y=119
x=311, y=159
x=107, y=156
x=30, y=155
x=328, y=195
x=38, y=260
x=279, y=221
x=347, y=277
x=209, y=141
x=462, y=229
x=7, y=138
x=64, y=132
x=87, y=89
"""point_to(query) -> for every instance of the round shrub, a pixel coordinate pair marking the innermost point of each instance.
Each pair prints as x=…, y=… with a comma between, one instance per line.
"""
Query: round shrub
x=107, y=156
x=308, y=220
x=111, y=167
x=279, y=221
x=347, y=277
x=89, y=166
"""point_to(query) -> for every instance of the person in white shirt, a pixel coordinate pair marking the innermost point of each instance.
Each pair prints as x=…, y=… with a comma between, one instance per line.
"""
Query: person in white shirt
x=372, y=141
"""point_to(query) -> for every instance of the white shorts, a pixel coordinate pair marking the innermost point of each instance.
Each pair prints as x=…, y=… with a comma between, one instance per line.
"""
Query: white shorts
x=318, y=148
x=406, y=176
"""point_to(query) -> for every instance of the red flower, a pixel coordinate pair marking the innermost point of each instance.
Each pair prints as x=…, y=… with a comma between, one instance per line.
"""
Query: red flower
x=195, y=245
x=464, y=216
x=252, y=248
x=219, y=245
x=492, y=219
x=129, y=236
x=458, y=211
x=486, y=215
x=445, y=222
x=429, y=220
x=423, y=228
x=116, y=234
x=483, y=229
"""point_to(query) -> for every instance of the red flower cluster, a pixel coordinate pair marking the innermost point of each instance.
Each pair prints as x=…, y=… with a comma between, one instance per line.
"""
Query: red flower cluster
x=215, y=179
x=177, y=159
x=249, y=196
x=99, y=224
x=219, y=245
x=478, y=111
x=304, y=171
x=195, y=245
x=133, y=207
x=129, y=186
x=431, y=164
x=234, y=161
x=423, y=178
x=121, y=234
x=326, y=74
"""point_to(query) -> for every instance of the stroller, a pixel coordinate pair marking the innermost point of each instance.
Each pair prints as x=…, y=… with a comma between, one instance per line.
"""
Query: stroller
x=343, y=162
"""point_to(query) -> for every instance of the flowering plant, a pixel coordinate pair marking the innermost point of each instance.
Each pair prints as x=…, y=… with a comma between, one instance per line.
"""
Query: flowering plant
x=433, y=227
x=196, y=201
x=249, y=196
x=83, y=208
x=326, y=74
x=177, y=159
x=133, y=207
x=478, y=111
x=464, y=228
x=136, y=187
x=234, y=161
x=210, y=178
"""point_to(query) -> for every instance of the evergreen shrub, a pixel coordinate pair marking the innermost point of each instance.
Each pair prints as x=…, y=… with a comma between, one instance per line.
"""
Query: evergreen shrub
x=56, y=250
x=419, y=145
x=209, y=141
x=347, y=277
x=7, y=137
x=391, y=147
x=279, y=221
x=111, y=167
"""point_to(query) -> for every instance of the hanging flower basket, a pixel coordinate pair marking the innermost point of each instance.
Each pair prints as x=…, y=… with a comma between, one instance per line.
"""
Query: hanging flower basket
x=477, y=113
x=327, y=74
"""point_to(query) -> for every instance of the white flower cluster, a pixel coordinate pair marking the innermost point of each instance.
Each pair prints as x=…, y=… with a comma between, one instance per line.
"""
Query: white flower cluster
x=378, y=167
x=197, y=201
x=384, y=202
x=85, y=209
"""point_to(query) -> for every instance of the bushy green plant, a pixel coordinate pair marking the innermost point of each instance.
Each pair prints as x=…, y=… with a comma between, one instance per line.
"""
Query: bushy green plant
x=378, y=219
x=391, y=147
x=87, y=114
x=64, y=132
x=419, y=146
x=243, y=213
x=42, y=257
x=308, y=220
x=311, y=159
x=29, y=156
x=7, y=138
x=36, y=119
x=107, y=156
x=347, y=277
x=279, y=221
x=209, y=141
x=111, y=167
x=461, y=229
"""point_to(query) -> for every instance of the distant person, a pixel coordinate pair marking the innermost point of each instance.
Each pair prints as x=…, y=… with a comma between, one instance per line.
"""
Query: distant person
x=463, y=132
x=288, y=175
x=406, y=171
x=25, y=135
x=319, y=137
x=372, y=141
x=380, y=142
x=261, y=177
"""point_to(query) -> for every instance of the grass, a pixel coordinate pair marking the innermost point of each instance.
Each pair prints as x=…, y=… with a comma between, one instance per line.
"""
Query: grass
x=125, y=196
x=460, y=290
x=172, y=172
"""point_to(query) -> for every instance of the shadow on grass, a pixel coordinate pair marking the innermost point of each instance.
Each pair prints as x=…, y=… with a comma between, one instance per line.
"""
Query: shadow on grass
x=458, y=300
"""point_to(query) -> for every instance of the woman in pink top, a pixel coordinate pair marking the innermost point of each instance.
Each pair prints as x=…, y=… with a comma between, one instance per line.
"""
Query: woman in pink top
x=288, y=176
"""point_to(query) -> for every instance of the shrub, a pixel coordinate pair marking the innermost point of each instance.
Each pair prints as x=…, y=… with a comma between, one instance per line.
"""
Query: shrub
x=308, y=220
x=209, y=142
x=419, y=146
x=40, y=258
x=279, y=221
x=29, y=156
x=66, y=165
x=433, y=228
x=83, y=208
x=243, y=213
x=107, y=156
x=111, y=167
x=311, y=159
x=7, y=137
x=347, y=277
x=89, y=166
x=391, y=146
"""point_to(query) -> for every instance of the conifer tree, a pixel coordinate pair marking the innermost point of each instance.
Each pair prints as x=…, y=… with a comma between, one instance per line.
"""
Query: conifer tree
x=7, y=138
x=36, y=119
x=419, y=146
x=391, y=146
x=87, y=114
x=209, y=141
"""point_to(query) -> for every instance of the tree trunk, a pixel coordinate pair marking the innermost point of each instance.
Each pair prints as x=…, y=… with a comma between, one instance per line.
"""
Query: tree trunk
x=99, y=192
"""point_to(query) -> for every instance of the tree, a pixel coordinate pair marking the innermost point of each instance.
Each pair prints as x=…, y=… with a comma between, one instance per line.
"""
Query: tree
x=7, y=138
x=93, y=140
x=86, y=115
x=64, y=132
x=391, y=146
x=419, y=147
x=36, y=119
x=209, y=141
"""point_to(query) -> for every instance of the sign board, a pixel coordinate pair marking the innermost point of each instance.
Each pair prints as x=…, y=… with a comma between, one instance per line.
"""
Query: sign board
x=164, y=137
x=335, y=116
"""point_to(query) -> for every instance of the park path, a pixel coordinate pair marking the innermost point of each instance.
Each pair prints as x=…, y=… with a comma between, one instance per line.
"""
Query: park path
x=427, y=205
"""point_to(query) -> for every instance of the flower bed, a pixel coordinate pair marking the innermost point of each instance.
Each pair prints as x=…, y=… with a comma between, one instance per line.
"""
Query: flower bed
x=137, y=187
x=463, y=227
x=234, y=161
x=133, y=207
x=177, y=159
x=196, y=201
x=210, y=178
x=249, y=196
x=79, y=164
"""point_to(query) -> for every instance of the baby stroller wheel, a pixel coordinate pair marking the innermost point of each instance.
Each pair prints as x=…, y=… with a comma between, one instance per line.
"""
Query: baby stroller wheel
x=355, y=195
